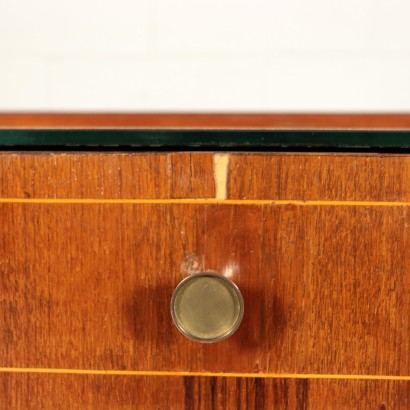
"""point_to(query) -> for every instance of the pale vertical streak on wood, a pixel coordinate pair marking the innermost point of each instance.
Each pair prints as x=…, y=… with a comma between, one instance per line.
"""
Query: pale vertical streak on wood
x=221, y=162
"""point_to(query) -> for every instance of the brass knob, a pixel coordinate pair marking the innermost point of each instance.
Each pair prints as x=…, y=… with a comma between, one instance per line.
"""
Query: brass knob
x=207, y=307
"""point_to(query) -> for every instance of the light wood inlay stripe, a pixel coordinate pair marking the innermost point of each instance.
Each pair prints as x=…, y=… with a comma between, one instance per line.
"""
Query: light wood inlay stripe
x=206, y=201
x=203, y=374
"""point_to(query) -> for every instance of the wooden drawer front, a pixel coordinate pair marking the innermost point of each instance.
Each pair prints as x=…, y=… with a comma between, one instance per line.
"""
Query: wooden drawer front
x=93, y=245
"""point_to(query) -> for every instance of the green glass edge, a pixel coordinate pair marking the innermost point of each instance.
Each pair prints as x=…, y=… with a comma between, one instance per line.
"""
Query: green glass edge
x=206, y=138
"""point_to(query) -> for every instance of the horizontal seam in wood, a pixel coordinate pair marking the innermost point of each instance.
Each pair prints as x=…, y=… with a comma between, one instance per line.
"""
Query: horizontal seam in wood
x=202, y=374
x=199, y=201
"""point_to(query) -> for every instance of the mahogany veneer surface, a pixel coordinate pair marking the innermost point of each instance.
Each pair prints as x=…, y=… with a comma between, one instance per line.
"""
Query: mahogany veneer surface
x=209, y=120
x=92, y=246
x=39, y=391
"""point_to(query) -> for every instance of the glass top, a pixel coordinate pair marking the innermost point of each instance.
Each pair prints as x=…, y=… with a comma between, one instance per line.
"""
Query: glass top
x=204, y=139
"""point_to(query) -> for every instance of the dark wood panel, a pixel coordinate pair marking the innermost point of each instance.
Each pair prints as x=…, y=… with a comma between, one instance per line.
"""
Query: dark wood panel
x=326, y=289
x=55, y=391
x=227, y=120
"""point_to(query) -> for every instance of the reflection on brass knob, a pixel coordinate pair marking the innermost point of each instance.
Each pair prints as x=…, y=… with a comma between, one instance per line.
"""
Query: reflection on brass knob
x=207, y=307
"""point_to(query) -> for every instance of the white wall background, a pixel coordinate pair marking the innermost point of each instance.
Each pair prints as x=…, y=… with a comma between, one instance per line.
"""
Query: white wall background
x=205, y=55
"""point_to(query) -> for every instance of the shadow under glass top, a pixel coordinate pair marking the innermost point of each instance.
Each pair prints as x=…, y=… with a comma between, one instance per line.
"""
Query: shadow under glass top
x=262, y=140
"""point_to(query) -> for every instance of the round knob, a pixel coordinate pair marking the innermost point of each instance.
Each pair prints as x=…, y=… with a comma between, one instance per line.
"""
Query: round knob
x=207, y=307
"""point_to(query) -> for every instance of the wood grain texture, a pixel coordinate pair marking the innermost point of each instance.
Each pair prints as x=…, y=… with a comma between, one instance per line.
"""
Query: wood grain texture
x=37, y=391
x=227, y=120
x=88, y=285
x=344, y=177
x=87, y=175
x=376, y=177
